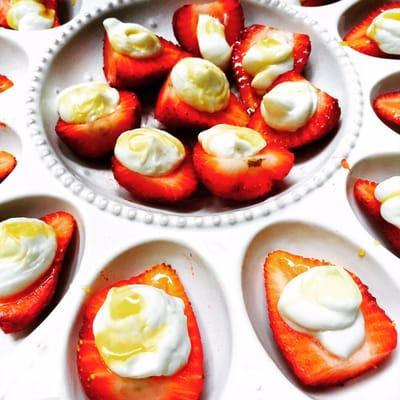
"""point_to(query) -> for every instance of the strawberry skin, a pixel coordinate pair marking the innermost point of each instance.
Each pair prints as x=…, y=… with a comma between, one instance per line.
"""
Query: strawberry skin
x=242, y=179
x=176, y=186
x=364, y=193
x=250, y=36
x=99, y=382
x=5, y=83
x=126, y=72
x=310, y=361
x=97, y=139
x=324, y=120
x=387, y=107
x=358, y=40
x=49, y=4
x=185, y=19
x=19, y=311
x=7, y=164
x=176, y=114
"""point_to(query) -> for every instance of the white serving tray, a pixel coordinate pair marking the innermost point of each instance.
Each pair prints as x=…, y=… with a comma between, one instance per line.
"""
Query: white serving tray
x=217, y=248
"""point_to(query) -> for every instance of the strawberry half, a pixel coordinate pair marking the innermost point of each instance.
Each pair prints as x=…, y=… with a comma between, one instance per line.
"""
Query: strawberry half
x=242, y=179
x=358, y=40
x=324, y=120
x=176, y=114
x=250, y=36
x=387, y=107
x=51, y=5
x=99, y=382
x=310, y=361
x=19, y=311
x=5, y=83
x=7, y=164
x=176, y=186
x=364, y=193
x=123, y=71
x=97, y=139
x=228, y=12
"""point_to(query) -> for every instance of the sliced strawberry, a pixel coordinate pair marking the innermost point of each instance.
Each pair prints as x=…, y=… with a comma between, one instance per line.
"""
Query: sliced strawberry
x=364, y=193
x=176, y=114
x=228, y=12
x=387, y=107
x=324, y=120
x=242, y=179
x=123, y=71
x=178, y=185
x=310, y=361
x=7, y=164
x=19, y=311
x=49, y=4
x=250, y=36
x=99, y=382
x=97, y=139
x=358, y=40
x=5, y=83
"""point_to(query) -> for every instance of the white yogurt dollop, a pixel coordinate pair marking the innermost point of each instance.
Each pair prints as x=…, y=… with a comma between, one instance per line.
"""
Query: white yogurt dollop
x=141, y=331
x=130, y=39
x=29, y=15
x=289, y=105
x=325, y=303
x=149, y=151
x=269, y=58
x=27, y=250
x=212, y=41
x=87, y=102
x=229, y=141
x=388, y=193
x=385, y=31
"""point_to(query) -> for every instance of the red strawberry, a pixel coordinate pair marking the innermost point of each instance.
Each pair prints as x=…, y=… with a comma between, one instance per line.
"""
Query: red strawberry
x=123, y=71
x=7, y=164
x=324, y=120
x=242, y=179
x=358, y=40
x=315, y=3
x=99, y=382
x=5, y=83
x=387, y=107
x=171, y=188
x=97, y=139
x=364, y=193
x=19, y=311
x=176, y=114
x=51, y=5
x=250, y=36
x=310, y=361
x=228, y=12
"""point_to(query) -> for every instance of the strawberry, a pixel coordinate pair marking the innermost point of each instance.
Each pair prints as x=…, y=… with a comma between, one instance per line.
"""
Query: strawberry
x=5, y=83
x=99, y=382
x=19, y=311
x=315, y=3
x=51, y=5
x=123, y=71
x=310, y=361
x=176, y=186
x=242, y=179
x=324, y=120
x=176, y=114
x=228, y=12
x=250, y=36
x=364, y=193
x=387, y=107
x=97, y=139
x=358, y=40
x=7, y=164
